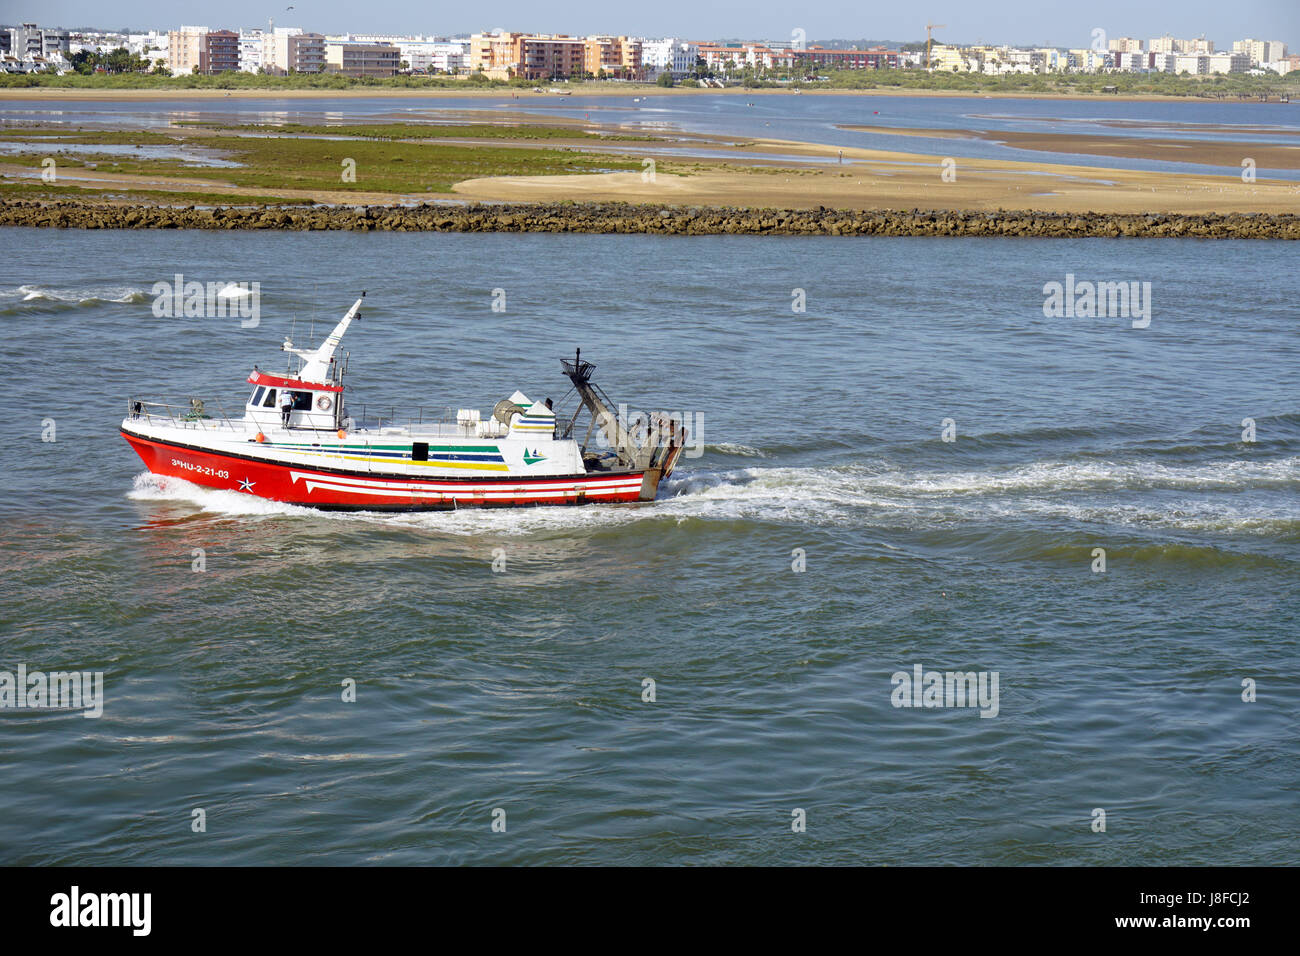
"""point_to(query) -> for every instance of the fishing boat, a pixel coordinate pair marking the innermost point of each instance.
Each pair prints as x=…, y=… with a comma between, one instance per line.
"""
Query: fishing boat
x=301, y=442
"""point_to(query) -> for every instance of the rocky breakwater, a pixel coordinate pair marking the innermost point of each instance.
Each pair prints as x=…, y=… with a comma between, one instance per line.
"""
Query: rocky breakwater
x=658, y=220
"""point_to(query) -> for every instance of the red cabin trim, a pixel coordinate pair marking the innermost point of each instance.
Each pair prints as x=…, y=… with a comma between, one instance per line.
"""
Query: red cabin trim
x=278, y=381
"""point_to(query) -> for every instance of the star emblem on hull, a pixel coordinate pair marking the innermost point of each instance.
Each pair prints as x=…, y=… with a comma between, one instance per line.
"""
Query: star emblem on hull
x=246, y=485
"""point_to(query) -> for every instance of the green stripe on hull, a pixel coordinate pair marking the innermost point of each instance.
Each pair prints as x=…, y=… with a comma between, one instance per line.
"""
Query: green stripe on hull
x=479, y=449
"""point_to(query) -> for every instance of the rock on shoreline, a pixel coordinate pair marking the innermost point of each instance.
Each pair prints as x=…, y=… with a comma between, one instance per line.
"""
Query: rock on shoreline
x=610, y=218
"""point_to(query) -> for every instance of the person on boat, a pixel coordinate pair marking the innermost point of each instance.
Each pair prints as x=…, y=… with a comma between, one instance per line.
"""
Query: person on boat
x=286, y=405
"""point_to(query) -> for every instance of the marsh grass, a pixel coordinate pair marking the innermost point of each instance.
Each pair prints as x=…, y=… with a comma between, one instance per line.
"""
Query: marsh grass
x=418, y=131
x=292, y=162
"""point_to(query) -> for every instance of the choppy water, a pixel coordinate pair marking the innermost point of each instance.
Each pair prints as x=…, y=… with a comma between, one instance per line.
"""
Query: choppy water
x=522, y=690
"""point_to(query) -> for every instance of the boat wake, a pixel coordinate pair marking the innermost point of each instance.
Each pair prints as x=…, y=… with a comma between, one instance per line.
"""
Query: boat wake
x=1206, y=498
x=31, y=299
x=735, y=450
x=150, y=487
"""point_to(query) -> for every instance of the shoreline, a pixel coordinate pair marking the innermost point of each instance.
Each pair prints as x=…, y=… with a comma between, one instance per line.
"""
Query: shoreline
x=580, y=164
x=624, y=218
x=48, y=93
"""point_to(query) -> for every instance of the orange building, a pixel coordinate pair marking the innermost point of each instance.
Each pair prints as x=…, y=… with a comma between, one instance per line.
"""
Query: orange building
x=615, y=57
x=505, y=56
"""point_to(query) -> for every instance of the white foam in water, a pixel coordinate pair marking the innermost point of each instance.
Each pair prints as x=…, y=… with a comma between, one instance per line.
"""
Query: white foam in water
x=150, y=487
x=31, y=293
x=856, y=495
x=731, y=448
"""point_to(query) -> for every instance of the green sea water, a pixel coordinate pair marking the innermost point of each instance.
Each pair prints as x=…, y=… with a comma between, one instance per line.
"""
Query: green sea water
x=524, y=690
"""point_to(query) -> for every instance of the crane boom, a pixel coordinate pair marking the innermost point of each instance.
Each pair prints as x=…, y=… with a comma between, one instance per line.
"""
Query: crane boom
x=929, y=39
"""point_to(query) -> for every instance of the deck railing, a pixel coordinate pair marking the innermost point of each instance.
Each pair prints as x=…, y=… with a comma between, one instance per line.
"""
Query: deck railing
x=196, y=414
x=193, y=414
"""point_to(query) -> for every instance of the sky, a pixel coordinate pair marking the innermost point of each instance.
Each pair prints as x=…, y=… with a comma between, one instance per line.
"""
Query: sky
x=1036, y=22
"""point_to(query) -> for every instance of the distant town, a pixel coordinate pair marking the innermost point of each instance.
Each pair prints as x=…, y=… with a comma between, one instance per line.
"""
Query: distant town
x=281, y=50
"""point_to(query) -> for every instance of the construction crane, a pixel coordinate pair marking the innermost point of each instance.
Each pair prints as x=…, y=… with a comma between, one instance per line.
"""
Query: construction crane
x=928, y=39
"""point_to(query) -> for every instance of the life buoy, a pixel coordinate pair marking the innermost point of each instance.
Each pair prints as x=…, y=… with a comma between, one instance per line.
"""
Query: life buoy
x=323, y=403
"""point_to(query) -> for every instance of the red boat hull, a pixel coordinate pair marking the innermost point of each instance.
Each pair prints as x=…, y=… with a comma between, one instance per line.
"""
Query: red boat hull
x=341, y=489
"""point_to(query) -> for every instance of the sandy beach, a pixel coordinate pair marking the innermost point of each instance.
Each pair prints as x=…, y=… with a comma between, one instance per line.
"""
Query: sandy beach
x=1206, y=152
x=885, y=180
x=876, y=180
x=693, y=168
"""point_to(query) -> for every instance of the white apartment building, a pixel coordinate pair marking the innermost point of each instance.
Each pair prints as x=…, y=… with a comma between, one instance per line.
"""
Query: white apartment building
x=289, y=48
x=275, y=48
x=1169, y=44
x=1260, y=51
x=1132, y=62
x=184, y=48
x=434, y=56
x=152, y=45
x=251, y=48
x=1225, y=62
x=670, y=55
x=1089, y=60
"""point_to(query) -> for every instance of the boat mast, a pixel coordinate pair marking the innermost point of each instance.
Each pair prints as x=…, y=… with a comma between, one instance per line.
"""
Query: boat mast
x=316, y=367
x=599, y=405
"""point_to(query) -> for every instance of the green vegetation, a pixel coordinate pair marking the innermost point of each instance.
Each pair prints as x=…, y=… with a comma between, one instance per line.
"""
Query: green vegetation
x=277, y=163
x=122, y=76
x=1166, y=84
x=83, y=137
x=121, y=60
x=62, y=191
x=408, y=131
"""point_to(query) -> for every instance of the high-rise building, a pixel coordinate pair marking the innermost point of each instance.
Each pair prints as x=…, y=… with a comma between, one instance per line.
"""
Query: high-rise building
x=200, y=50
x=1169, y=44
x=433, y=56
x=528, y=56
x=185, y=49
x=669, y=55
x=1225, y=62
x=1261, y=51
x=615, y=57
x=219, y=52
x=28, y=41
x=287, y=49
x=362, y=59
x=1125, y=45
x=250, y=50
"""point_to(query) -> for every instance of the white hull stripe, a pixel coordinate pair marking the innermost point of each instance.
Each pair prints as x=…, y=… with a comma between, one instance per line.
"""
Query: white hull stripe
x=495, y=490
x=570, y=492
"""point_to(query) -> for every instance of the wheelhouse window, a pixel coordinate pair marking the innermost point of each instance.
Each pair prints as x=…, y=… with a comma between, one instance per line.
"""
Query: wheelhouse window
x=257, y=395
x=302, y=401
x=269, y=401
